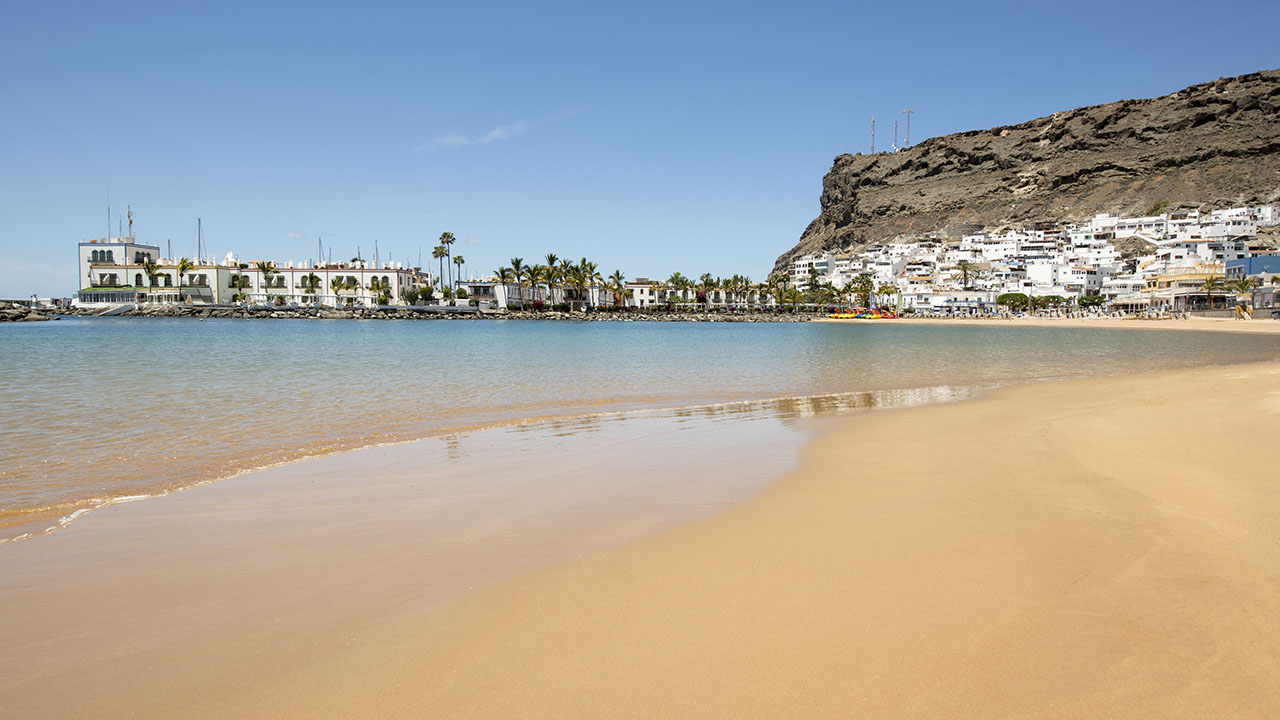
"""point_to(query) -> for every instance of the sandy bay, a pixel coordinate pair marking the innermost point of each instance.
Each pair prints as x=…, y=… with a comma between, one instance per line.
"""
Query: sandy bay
x=1076, y=549
x=1067, y=549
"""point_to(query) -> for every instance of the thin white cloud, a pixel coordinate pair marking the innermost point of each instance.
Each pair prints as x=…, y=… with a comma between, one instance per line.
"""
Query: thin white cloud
x=473, y=240
x=502, y=132
x=295, y=235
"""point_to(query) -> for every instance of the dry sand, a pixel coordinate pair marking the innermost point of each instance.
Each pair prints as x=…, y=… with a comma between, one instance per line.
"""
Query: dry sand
x=1202, y=324
x=1081, y=549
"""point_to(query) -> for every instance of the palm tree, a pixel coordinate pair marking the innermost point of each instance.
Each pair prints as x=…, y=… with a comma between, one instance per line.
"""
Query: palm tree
x=380, y=290
x=446, y=241
x=351, y=283
x=458, y=260
x=439, y=252
x=790, y=296
x=1211, y=283
x=267, y=269
x=505, y=275
x=151, y=270
x=618, y=286
x=678, y=283
x=590, y=274
x=887, y=289
x=239, y=282
x=967, y=270
x=658, y=288
x=517, y=274
x=1245, y=286
x=576, y=278
x=706, y=283
x=863, y=286
x=310, y=282
x=532, y=278
x=337, y=283
x=184, y=267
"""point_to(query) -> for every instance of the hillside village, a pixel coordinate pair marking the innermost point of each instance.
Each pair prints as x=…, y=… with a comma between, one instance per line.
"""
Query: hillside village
x=1167, y=261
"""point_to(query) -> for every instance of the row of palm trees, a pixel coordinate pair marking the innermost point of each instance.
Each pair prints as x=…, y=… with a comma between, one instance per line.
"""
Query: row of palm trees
x=573, y=280
x=564, y=274
x=1241, y=285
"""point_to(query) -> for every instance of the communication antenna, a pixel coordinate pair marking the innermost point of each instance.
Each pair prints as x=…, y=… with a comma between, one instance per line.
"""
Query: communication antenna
x=873, y=134
x=908, y=112
x=895, y=136
x=319, y=250
x=129, y=211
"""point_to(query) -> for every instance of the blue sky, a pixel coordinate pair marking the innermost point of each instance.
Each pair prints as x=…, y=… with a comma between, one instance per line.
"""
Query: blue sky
x=650, y=137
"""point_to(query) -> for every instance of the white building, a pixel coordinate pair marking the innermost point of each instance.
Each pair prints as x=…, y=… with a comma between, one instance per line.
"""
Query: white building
x=121, y=271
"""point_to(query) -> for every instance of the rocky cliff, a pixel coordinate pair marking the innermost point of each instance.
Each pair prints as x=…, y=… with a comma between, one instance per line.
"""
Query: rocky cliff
x=1209, y=146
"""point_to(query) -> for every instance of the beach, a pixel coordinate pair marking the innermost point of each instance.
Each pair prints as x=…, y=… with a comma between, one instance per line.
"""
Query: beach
x=1194, y=323
x=1091, y=548
x=1095, y=546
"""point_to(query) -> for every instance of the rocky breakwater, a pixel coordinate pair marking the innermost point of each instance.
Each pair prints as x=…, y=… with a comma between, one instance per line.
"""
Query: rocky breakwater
x=433, y=313
x=645, y=316
x=11, y=312
x=1209, y=146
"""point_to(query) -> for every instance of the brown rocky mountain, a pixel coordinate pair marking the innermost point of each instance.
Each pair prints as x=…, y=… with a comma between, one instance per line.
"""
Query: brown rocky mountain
x=1209, y=146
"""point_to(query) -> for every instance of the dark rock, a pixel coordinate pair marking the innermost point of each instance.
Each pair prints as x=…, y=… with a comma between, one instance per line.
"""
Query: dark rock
x=1211, y=146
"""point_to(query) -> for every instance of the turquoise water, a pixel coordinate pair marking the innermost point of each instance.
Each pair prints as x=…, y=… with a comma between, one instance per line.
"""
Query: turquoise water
x=100, y=408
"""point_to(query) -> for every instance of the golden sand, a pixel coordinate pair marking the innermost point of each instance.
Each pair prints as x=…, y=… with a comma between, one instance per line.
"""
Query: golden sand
x=1195, y=323
x=1083, y=549
x=1090, y=548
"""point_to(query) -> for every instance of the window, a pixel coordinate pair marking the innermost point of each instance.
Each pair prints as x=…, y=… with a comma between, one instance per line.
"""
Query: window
x=168, y=281
x=137, y=279
x=111, y=256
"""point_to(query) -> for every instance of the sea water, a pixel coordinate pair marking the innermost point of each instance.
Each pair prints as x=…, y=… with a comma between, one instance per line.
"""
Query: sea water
x=102, y=409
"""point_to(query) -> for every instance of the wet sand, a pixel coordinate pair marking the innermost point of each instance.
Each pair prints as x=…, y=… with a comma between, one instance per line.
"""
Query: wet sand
x=177, y=605
x=1088, y=548
x=1080, y=549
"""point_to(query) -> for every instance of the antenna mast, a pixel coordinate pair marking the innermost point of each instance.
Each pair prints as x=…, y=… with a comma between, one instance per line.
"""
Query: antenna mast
x=873, y=134
x=908, y=112
x=129, y=211
x=199, y=239
x=895, y=136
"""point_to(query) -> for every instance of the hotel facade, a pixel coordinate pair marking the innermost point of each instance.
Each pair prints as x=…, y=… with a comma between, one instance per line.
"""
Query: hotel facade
x=117, y=271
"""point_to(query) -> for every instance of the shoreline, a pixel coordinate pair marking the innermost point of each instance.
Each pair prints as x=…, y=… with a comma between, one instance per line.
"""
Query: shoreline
x=782, y=406
x=1194, y=323
x=263, y=312
x=380, y=648
x=1056, y=573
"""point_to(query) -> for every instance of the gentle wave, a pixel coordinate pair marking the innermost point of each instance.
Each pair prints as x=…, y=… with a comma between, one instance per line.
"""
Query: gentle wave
x=100, y=409
x=781, y=407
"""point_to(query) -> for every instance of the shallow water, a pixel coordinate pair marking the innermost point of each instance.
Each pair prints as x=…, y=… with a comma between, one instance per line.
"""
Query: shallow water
x=98, y=409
